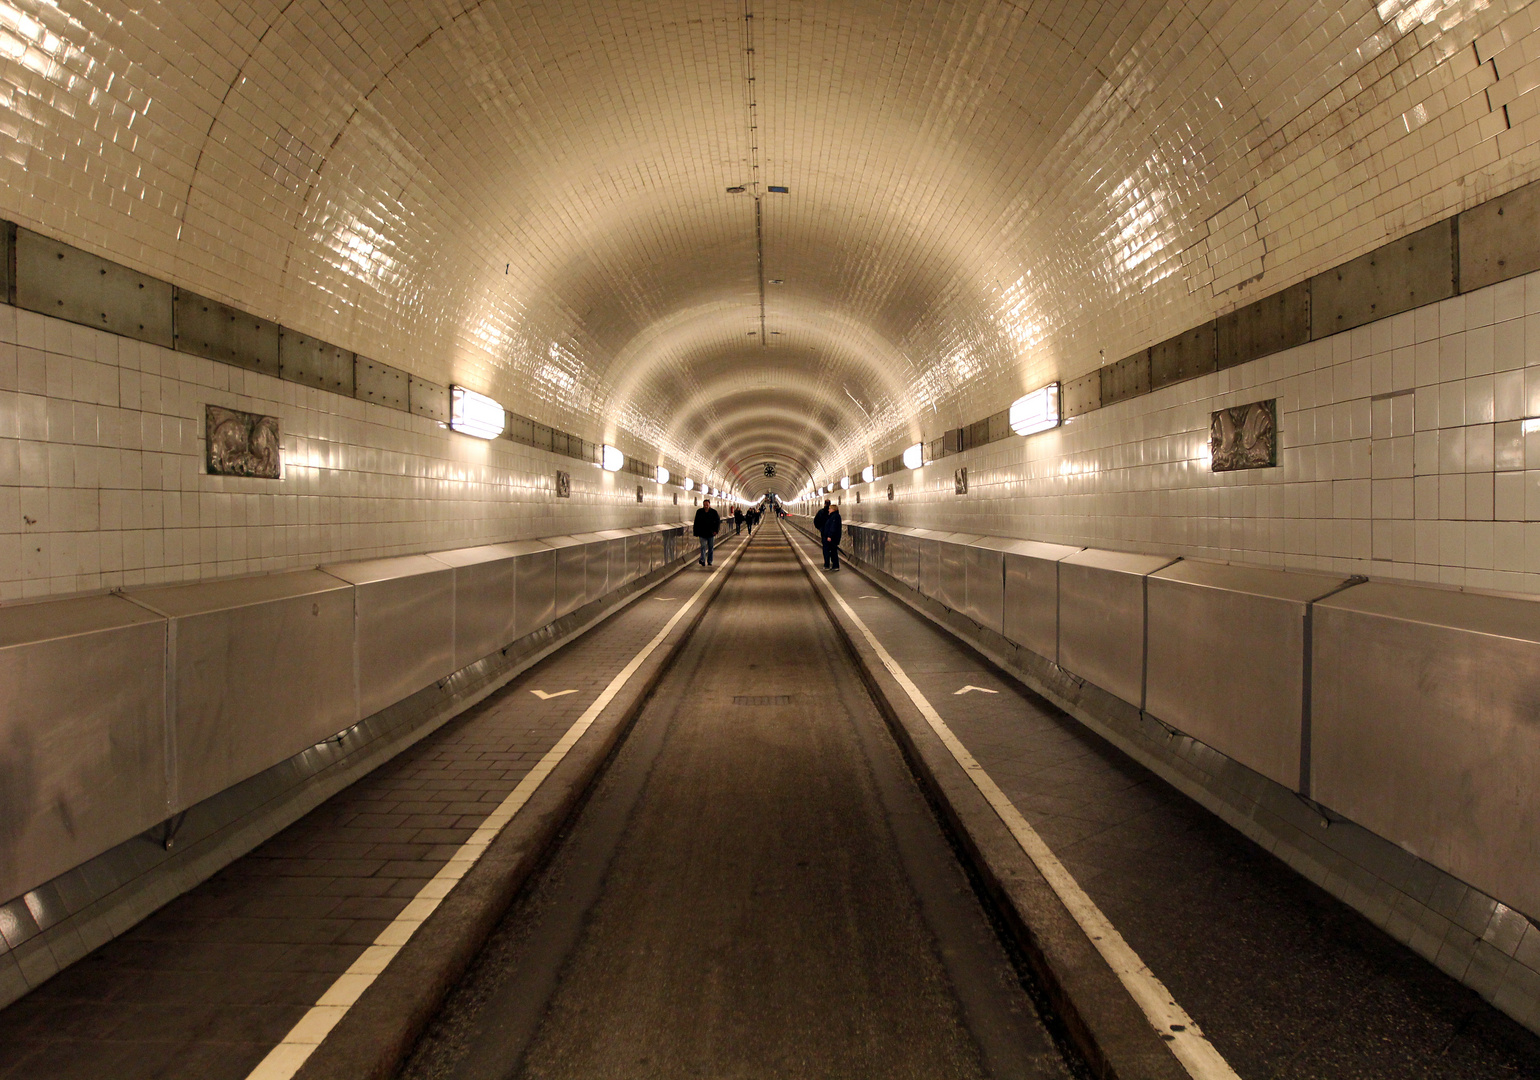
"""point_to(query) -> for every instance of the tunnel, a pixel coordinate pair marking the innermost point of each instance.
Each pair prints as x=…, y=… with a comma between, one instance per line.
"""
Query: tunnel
x=759, y=538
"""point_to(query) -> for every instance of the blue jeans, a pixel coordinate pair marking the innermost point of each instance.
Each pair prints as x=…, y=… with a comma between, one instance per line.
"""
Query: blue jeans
x=707, y=543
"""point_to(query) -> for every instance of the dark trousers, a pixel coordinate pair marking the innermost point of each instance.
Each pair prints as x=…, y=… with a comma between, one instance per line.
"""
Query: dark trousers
x=707, y=543
x=737, y=526
x=831, y=554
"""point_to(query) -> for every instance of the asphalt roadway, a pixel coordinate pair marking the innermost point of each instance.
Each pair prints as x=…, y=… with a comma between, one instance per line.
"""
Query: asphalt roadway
x=755, y=886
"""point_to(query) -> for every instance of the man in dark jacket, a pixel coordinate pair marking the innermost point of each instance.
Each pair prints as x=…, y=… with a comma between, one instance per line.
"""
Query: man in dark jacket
x=818, y=520
x=707, y=523
x=737, y=520
x=831, y=532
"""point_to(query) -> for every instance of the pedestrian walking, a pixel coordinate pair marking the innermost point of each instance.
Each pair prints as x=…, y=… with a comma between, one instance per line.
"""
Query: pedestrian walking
x=707, y=524
x=818, y=520
x=737, y=520
x=832, y=530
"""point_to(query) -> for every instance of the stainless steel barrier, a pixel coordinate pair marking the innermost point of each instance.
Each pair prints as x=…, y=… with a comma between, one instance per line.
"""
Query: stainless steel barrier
x=1225, y=651
x=1101, y=618
x=260, y=669
x=83, y=727
x=1425, y=729
x=1031, y=602
x=571, y=573
x=484, y=587
x=119, y=711
x=404, y=626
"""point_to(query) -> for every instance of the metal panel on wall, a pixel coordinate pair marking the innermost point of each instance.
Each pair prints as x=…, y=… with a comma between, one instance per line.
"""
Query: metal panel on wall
x=1407, y=273
x=1266, y=326
x=1186, y=356
x=379, y=383
x=220, y=332
x=1101, y=618
x=1129, y=377
x=313, y=362
x=67, y=283
x=428, y=399
x=1424, y=727
x=261, y=668
x=1031, y=615
x=1500, y=238
x=405, y=632
x=1083, y=395
x=484, y=584
x=1226, y=659
x=83, y=724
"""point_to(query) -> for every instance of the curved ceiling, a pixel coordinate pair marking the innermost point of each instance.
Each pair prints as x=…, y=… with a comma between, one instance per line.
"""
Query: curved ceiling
x=532, y=198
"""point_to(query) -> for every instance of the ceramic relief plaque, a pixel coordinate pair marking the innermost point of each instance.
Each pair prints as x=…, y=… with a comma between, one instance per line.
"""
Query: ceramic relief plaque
x=563, y=485
x=1244, y=437
x=241, y=443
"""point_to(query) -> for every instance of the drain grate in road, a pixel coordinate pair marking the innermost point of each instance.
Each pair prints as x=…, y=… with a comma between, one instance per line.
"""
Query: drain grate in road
x=762, y=699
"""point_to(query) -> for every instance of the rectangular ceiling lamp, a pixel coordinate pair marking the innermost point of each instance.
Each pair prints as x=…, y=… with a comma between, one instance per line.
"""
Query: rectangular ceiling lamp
x=1037, y=411
x=475, y=414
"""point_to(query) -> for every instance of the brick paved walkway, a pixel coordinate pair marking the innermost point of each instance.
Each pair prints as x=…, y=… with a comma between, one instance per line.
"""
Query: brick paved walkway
x=206, y=986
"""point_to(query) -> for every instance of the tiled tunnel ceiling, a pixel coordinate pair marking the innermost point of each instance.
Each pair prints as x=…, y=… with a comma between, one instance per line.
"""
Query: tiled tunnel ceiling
x=531, y=198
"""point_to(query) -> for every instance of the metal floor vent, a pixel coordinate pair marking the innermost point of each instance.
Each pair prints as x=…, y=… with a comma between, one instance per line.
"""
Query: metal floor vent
x=762, y=699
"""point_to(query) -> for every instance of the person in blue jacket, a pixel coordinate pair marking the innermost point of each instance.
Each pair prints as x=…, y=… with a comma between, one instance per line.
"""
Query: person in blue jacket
x=831, y=531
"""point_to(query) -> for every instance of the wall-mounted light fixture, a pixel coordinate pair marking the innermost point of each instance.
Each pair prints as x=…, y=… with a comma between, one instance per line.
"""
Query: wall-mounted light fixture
x=844, y=483
x=868, y=474
x=475, y=414
x=662, y=475
x=689, y=485
x=611, y=458
x=914, y=457
x=1037, y=411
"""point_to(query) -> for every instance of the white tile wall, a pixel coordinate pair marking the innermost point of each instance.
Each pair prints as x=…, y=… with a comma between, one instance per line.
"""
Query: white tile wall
x=529, y=199
x=1406, y=451
x=102, y=479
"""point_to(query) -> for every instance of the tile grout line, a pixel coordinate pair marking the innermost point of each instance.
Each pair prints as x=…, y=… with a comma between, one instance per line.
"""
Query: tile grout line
x=1180, y=1032
x=286, y=1059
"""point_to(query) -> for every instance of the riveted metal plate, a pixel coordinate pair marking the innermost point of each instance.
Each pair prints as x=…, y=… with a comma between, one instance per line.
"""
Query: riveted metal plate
x=1083, y=395
x=1269, y=325
x=8, y=262
x=379, y=383
x=67, y=283
x=428, y=399
x=308, y=360
x=1415, y=270
x=1129, y=377
x=1185, y=356
x=1500, y=238
x=220, y=332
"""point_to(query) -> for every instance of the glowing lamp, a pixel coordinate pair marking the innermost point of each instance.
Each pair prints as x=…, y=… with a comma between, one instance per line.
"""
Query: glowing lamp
x=914, y=457
x=475, y=414
x=1037, y=411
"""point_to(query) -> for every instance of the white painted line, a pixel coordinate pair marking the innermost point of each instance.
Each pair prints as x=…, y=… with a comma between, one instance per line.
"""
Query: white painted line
x=543, y=696
x=287, y=1057
x=1181, y=1034
x=970, y=688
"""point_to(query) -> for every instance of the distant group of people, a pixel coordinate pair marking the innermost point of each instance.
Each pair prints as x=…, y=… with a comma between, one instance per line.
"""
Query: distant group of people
x=830, y=530
x=708, y=523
